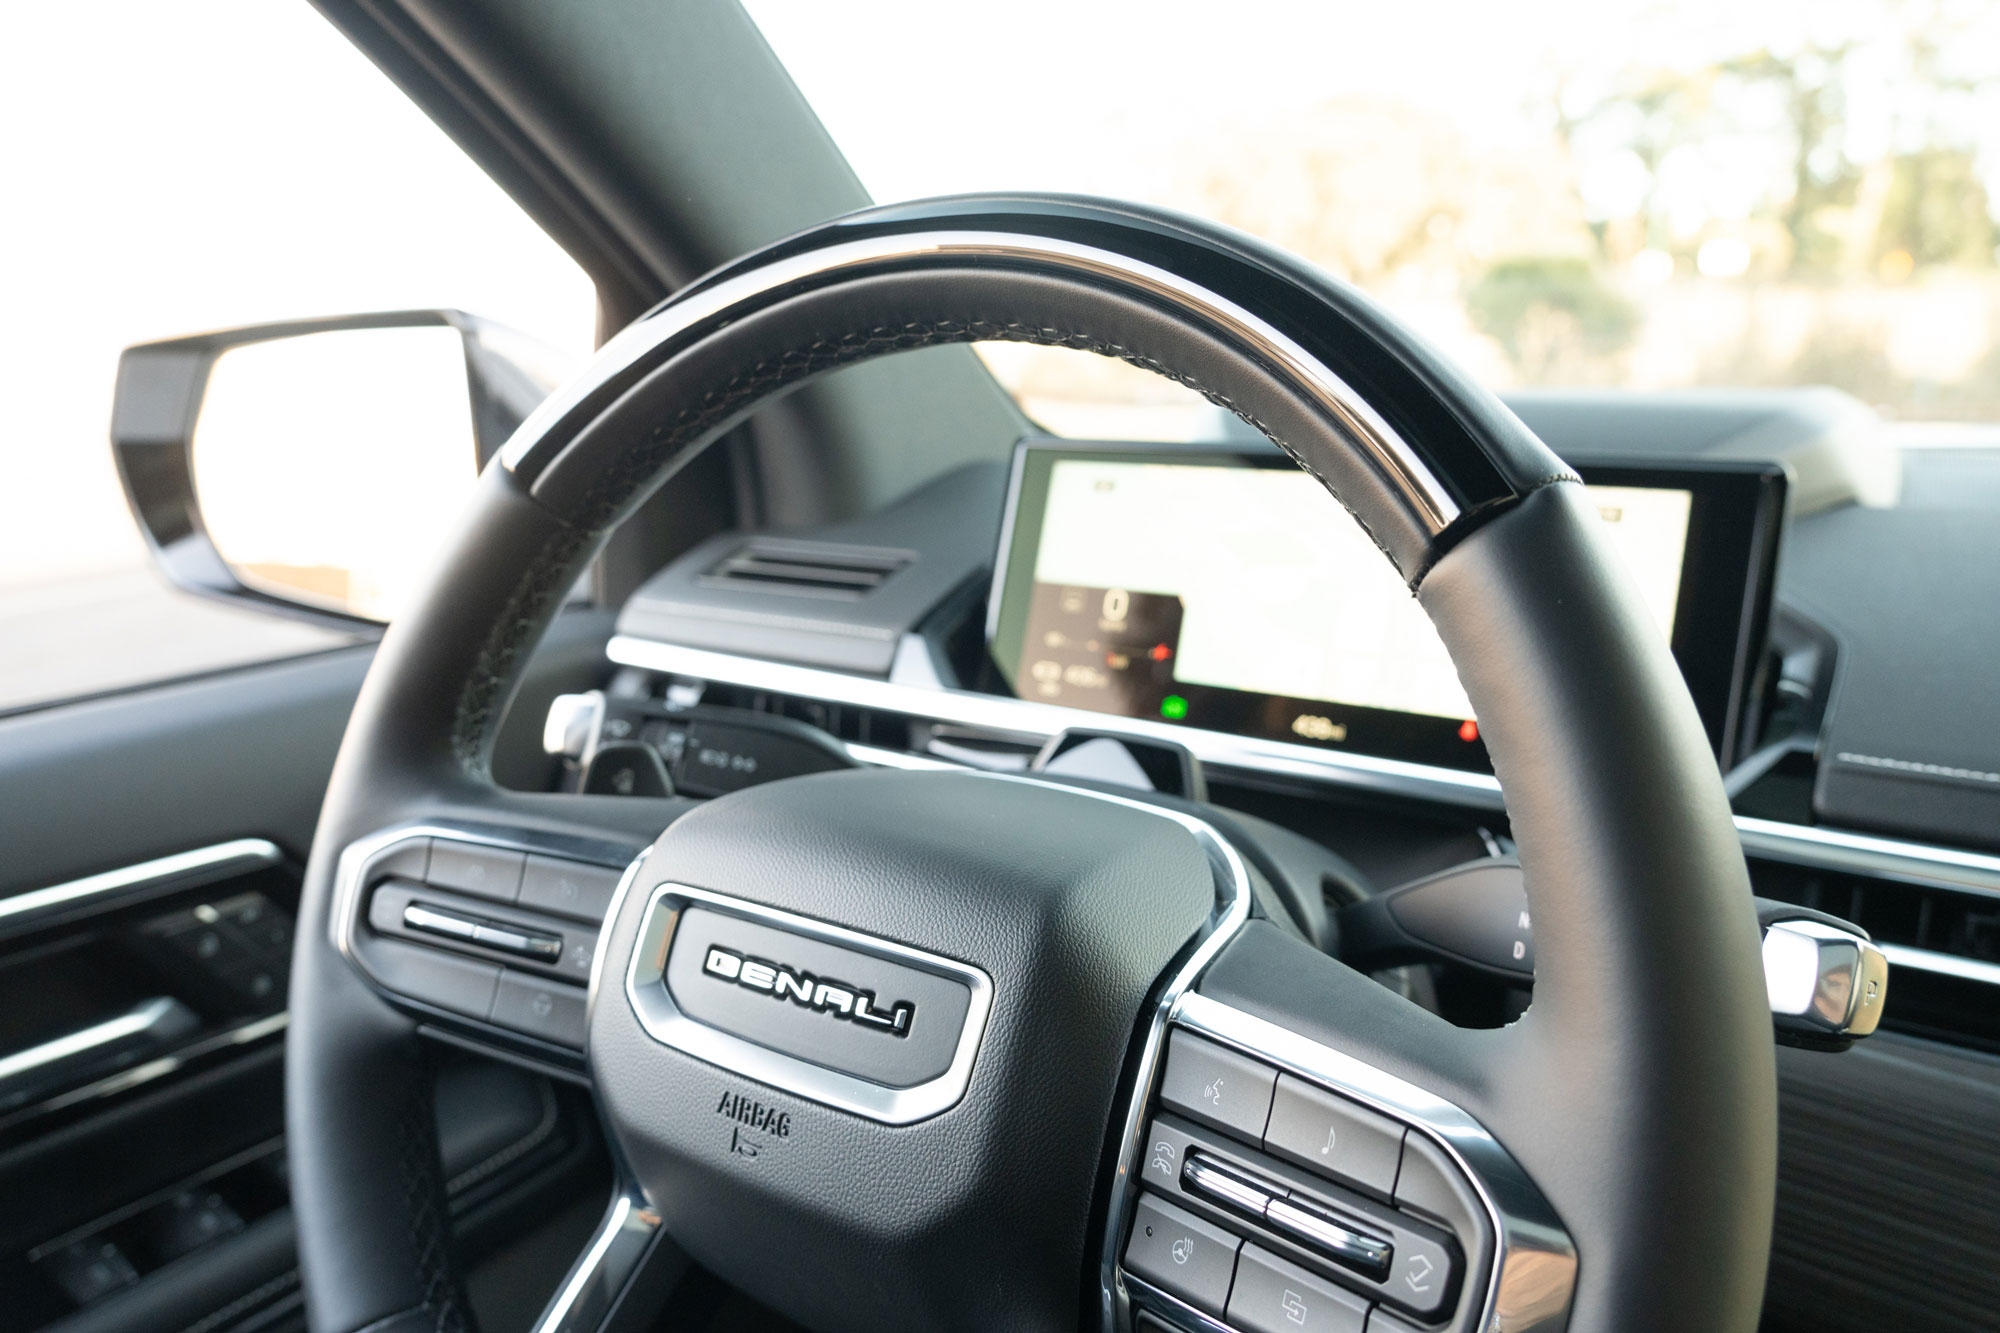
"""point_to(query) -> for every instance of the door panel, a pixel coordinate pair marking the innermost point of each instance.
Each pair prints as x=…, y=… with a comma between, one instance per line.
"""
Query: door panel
x=145, y=1180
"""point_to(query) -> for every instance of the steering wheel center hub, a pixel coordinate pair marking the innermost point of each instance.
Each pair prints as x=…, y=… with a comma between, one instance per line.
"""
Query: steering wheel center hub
x=863, y=1013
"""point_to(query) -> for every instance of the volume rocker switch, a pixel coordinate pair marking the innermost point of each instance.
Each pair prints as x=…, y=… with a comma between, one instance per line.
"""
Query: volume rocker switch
x=1331, y=1236
x=1204, y=1176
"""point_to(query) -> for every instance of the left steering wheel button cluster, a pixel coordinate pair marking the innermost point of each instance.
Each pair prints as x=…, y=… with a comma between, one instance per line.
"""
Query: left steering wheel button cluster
x=506, y=937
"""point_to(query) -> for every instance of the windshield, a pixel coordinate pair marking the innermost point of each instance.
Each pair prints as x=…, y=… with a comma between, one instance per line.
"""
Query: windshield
x=1578, y=193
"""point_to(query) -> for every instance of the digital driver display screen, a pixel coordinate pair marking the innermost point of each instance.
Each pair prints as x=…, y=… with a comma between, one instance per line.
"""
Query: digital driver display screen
x=1224, y=590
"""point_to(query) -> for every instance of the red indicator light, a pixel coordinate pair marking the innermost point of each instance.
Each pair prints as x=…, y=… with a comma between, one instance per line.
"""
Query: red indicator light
x=1468, y=731
x=1160, y=652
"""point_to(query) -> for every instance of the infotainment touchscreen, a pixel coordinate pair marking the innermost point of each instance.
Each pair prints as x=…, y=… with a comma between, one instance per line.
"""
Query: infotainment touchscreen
x=1223, y=589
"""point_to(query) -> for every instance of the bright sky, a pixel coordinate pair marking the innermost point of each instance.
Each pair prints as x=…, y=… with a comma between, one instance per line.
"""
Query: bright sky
x=1411, y=146
x=204, y=163
x=174, y=167
x=1061, y=95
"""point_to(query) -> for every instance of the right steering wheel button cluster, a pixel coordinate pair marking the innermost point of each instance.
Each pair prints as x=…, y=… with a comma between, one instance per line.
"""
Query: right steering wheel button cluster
x=1354, y=1207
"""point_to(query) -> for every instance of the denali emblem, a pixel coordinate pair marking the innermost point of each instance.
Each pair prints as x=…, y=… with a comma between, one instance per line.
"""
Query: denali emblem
x=807, y=991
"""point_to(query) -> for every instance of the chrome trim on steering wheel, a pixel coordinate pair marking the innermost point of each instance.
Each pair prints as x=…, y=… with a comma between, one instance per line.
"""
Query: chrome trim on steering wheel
x=601, y=1274
x=710, y=307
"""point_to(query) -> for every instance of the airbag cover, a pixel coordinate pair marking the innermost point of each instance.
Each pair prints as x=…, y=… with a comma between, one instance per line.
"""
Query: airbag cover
x=977, y=1216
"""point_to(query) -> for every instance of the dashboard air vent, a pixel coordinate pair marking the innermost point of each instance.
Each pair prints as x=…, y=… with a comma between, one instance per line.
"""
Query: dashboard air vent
x=809, y=569
x=1943, y=944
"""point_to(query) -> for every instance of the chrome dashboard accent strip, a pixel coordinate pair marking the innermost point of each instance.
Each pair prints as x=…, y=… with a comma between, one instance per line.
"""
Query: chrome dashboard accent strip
x=1366, y=428
x=1796, y=844
x=1024, y=717
x=1867, y=853
x=1943, y=964
x=653, y=1003
x=215, y=862
x=876, y=757
x=1534, y=1272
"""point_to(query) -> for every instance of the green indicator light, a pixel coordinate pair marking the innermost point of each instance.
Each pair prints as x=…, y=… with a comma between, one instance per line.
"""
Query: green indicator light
x=1173, y=708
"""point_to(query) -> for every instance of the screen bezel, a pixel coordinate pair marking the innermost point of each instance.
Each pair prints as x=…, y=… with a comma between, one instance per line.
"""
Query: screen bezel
x=1721, y=618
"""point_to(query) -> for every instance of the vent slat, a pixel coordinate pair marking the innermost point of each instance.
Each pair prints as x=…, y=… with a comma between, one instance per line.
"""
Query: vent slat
x=813, y=571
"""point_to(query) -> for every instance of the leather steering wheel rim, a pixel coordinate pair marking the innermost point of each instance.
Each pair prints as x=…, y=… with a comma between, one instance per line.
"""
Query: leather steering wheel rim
x=1638, y=1093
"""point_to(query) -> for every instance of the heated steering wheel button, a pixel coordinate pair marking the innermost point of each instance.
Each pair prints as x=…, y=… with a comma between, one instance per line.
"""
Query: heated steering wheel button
x=1272, y=1296
x=1179, y=1253
x=1217, y=1087
x=1334, y=1137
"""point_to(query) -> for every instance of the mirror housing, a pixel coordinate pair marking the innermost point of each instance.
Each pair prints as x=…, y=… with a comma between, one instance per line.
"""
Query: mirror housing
x=162, y=388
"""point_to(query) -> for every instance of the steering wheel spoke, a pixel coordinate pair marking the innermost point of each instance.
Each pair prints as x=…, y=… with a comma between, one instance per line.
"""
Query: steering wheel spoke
x=624, y=1274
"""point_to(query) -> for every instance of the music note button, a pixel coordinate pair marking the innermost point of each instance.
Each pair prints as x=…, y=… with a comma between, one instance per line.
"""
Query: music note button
x=1334, y=1137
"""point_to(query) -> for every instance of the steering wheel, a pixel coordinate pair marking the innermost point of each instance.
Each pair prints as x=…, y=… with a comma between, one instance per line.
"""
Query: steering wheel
x=924, y=1050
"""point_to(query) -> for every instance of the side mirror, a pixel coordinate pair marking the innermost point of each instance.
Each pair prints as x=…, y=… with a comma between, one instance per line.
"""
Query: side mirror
x=312, y=467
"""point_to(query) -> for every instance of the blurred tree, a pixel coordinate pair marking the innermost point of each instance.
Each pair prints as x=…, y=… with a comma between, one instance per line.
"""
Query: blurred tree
x=1369, y=187
x=1900, y=184
x=1936, y=212
x=1812, y=91
x=1552, y=315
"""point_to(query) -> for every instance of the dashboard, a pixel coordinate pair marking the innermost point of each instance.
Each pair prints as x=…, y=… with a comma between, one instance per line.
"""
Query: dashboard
x=1828, y=599
x=1213, y=587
